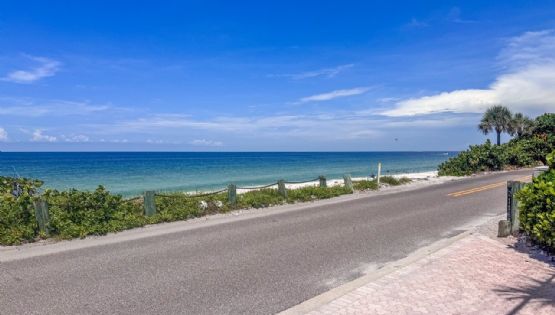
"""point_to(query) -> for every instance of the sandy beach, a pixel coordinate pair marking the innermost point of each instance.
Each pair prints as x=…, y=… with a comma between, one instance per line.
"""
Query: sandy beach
x=429, y=177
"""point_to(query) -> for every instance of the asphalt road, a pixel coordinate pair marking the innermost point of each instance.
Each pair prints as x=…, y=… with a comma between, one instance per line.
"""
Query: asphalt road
x=260, y=265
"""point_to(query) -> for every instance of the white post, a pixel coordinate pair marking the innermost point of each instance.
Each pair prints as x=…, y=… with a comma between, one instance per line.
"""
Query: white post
x=379, y=173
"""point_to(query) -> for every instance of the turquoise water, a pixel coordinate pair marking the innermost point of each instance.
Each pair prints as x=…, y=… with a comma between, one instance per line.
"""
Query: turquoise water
x=130, y=173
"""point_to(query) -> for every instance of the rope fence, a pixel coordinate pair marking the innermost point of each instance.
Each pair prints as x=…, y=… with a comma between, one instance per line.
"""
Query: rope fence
x=149, y=197
x=149, y=205
x=303, y=182
x=258, y=187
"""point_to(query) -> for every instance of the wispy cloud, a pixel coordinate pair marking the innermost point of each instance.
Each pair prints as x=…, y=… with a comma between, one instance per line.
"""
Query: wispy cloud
x=525, y=85
x=3, y=134
x=454, y=16
x=46, y=68
x=334, y=94
x=326, y=72
x=415, y=23
x=27, y=107
x=206, y=143
x=38, y=136
x=74, y=138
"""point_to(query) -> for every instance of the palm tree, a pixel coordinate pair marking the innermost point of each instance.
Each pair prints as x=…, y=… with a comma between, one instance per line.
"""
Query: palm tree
x=521, y=125
x=496, y=118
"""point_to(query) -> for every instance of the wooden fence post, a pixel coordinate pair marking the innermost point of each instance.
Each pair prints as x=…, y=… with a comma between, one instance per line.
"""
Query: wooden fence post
x=281, y=188
x=232, y=194
x=348, y=181
x=512, y=205
x=379, y=174
x=41, y=215
x=149, y=204
x=323, y=182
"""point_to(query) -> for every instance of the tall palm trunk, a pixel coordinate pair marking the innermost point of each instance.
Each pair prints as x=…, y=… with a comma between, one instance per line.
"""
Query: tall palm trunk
x=498, y=137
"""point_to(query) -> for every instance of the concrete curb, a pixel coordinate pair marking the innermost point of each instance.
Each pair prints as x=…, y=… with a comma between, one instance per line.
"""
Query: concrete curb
x=325, y=298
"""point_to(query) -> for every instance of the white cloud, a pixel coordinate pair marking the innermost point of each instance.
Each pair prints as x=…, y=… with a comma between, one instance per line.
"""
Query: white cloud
x=337, y=126
x=327, y=72
x=38, y=136
x=206, y=143
x=74, y=138
x=334, y=94
x=3, y=134
x=46, y=68
x=526, y=85
x=26, y=107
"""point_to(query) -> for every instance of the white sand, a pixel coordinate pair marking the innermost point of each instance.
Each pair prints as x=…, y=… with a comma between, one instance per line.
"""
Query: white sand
x=422, y=176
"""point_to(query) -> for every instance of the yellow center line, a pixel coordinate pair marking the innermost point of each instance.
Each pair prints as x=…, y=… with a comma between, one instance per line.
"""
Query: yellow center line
x=485, y=187
x=477, y=189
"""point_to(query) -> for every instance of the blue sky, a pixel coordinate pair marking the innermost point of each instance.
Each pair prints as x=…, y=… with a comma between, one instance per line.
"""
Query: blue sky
x=268, y=76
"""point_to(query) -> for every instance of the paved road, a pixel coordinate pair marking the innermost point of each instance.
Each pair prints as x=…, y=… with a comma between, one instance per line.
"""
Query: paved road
x=256, y=266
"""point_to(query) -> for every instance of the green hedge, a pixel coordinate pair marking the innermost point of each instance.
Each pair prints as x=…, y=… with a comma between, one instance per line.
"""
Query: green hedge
x=17, y=214
x=537, y=206
x=76, y=213
x=527, y=150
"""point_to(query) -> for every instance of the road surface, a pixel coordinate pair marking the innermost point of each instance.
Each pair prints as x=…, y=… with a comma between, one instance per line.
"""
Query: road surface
x=259, y=265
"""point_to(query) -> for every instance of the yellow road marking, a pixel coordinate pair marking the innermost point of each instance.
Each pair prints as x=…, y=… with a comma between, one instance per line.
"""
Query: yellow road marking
x=485, y=187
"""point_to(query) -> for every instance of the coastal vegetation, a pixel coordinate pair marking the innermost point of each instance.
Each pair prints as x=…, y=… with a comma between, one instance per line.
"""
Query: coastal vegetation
x=77, y=214
x=533, y=140
x=537, y=206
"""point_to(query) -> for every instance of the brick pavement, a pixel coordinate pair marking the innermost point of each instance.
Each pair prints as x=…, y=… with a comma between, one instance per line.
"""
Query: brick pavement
x=475, y=275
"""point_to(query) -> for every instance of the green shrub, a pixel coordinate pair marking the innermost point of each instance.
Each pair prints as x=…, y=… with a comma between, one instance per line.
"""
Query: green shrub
x=76, y=213
x=365, y=185
x=537, y=206
x=527, y=150
x=179, y=206
x=477, y=158
x=260, y=198
x=393, y=181
x=313, y=193
x=545, y=125
x=17, y=215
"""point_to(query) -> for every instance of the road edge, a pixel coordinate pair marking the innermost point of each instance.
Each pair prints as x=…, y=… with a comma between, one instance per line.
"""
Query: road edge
x=328, y=296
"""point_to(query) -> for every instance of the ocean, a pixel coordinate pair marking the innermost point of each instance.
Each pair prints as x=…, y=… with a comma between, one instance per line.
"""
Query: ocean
x=131, y=173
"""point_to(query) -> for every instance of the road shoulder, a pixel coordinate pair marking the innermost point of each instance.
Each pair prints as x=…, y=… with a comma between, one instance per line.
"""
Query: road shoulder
x=471, y=273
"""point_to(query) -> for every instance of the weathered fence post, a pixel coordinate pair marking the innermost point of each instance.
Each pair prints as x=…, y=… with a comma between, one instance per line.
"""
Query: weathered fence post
x=232, y=194
x=504, y=228
x=379, y=174
x=512, y=205
x=323, y=182
x=281, y=188
x=348, y=182
x=41, y=214
x=148, y=203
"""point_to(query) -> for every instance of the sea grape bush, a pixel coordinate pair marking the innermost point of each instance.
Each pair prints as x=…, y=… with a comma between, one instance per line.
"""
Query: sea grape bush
x=477, y=158
x=180, y=206
x=17, y=216
x=526, y=150
x=373, y=184
x=537, y=206
x=76, y=213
